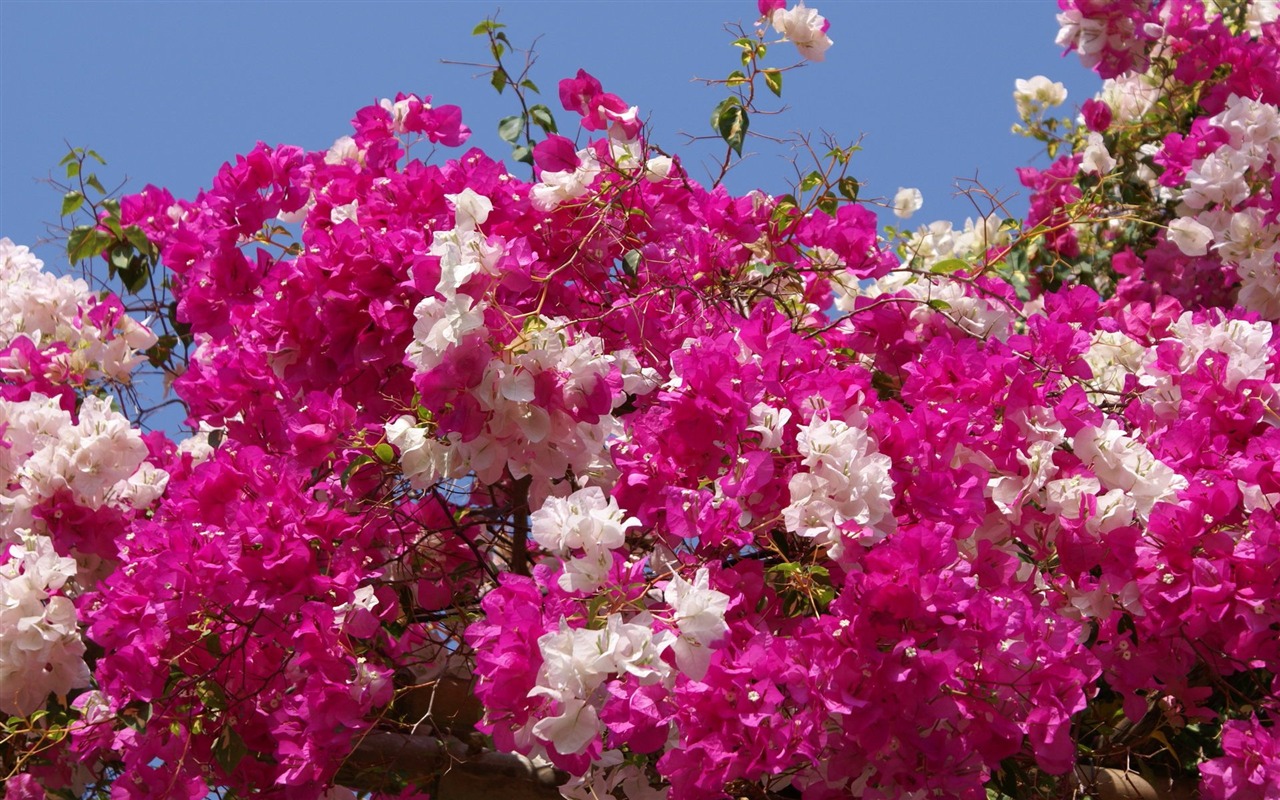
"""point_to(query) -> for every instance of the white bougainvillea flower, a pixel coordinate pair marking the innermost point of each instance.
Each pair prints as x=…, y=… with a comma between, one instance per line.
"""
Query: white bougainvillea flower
x=805, y=28
x=907, y=202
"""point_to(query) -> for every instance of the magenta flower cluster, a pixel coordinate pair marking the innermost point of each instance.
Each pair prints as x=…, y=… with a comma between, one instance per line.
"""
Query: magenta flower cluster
x=698, y=490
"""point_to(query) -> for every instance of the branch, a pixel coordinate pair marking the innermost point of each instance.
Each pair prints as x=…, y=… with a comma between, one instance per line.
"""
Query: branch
x=448, y=768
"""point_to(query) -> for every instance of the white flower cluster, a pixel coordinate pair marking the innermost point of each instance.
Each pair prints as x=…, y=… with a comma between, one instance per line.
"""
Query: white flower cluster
x=577, y=661
x=1130, y=96
x=99, y=459
x=628, y=154
x=1217, y=184
x=584, y=521
x=940, y=294
x=805, y=28
x=1124, y=463
x=46, y=309
x=1033, y=96
x=939, y=241
x=520, y=434
x=1257, y=13
x=846, y=493
x=40, y=646
x=1245, y=347
x=1092, y=37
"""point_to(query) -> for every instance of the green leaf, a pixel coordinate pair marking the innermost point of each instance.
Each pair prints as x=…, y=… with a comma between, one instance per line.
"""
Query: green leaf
x=849, y=188
x=828, y=204
x=86, y=241
x=70, y=202
x=498, y=79
x=736, y=78
x=136, y=274
x=948, y=266
x=773, y=79
x=810, y=181
x=510, y=128
x=72, y=155
x=93, y=181
x=73, y=169
x=939, y=305
x=522, y=154
x=486, y=26
x=94, y=155
x=541, y=116
x=631, y=262
x=384, y=453
x=138, y=239
x=530, y=85
x=497, y=49
x=730, y=120
x=354, y=466
x=120, y=256
x=230, y=749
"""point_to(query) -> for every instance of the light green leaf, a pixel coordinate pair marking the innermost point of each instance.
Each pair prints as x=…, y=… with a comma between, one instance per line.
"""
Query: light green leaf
x=70, y=202
x=541, y=116
x=510, y=128
x=948, y=266
x=773, y=79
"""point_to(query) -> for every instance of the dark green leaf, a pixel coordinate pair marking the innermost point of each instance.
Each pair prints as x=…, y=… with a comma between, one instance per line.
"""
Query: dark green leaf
x=510, y=128
x=136, y=274
x=497, y=49
x=631, y=262
x=731, y=122
x=773, y=79
x=828, y=204
x=94, y=155
x=230, y=749
x=522, y=154
x=849, y=188
x=70, y=202
x=530, y=85
x=86, y=241
x=137, y=238
x=499, y=79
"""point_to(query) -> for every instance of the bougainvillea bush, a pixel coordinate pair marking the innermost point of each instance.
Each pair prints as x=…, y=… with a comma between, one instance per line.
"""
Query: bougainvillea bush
x=580, y=474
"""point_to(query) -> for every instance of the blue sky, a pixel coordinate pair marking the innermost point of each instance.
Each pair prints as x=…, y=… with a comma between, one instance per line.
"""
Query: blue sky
x=168, y=91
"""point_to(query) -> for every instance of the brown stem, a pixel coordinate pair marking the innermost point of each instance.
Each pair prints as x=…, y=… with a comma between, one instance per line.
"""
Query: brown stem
x=520, y=525
x=383, y=760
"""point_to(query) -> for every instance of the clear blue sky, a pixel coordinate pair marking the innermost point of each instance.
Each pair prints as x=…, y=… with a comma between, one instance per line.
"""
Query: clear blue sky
x=168, y=91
